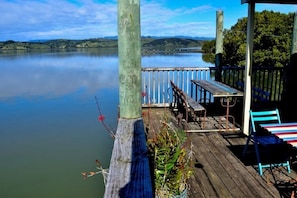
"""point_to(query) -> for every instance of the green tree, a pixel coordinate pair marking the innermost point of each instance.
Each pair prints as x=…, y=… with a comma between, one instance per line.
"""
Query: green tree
x=272, y=40
x=209, y=46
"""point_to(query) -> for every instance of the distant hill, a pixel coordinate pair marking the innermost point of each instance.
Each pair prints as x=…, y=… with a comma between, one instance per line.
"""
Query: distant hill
x=172, y=43
x=147, y=42
x=188, y=37
x=164, y=37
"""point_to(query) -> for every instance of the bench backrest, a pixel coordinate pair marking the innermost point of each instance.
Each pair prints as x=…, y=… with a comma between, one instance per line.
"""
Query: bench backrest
x=179, y=92
x=258, y=94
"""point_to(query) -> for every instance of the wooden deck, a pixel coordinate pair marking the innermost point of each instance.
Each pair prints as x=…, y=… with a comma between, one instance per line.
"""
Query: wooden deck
x=219, y=170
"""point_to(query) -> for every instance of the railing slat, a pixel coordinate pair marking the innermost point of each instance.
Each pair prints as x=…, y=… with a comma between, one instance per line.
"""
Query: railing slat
x=157, y=86
x=156, y=81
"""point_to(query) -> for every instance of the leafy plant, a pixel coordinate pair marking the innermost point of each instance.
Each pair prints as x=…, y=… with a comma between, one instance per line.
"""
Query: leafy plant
x=172, y=159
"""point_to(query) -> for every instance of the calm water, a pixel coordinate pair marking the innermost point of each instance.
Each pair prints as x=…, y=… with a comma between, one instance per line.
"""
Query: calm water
x=48, y=119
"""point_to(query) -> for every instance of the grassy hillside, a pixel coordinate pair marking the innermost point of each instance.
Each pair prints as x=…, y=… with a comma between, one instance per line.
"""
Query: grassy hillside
x=147, y=42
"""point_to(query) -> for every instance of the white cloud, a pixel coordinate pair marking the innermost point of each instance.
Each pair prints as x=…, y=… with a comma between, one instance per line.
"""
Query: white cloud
x=200, y=9
x=31, y=19
x=82, y=19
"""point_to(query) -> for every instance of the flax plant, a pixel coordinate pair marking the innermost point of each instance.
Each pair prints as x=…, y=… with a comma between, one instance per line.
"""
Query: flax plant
x=171, y=154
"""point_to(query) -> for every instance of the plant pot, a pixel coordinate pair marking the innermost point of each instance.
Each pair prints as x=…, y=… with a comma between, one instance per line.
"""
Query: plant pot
x=184, y=194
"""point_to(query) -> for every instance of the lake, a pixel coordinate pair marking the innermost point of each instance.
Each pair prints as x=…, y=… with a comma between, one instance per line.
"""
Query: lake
x=49, y=118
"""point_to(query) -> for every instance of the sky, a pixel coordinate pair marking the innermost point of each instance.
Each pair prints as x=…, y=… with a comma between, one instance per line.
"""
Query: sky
x=25, y=20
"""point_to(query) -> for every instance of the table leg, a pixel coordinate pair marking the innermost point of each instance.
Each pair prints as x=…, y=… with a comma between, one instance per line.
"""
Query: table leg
x=228, y=105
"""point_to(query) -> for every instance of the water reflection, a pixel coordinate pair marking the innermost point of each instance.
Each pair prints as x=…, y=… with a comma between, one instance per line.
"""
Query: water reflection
x=52, y=76
x=49, y=128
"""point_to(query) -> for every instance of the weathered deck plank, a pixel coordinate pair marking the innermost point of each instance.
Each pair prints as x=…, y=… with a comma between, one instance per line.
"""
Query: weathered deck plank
x=220, y=170
x=228, y=176
x=204, y=155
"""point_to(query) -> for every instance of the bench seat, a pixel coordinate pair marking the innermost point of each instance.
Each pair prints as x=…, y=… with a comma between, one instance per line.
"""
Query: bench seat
x=258, y=94
x=186, y=105
x=194, y=104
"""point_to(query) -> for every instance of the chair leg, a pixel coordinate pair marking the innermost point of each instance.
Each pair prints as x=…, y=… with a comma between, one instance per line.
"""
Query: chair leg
x=246, y=145
x=258, y=159
x=288, y=166
x=260, y=168
x=257, y=154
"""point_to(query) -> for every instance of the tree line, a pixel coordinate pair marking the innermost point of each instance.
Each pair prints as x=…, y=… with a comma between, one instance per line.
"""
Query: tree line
x=147, y=43
x=273, y=33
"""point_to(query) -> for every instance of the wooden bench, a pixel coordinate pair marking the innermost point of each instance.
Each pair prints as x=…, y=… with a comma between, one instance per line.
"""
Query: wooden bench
x=258, y=94
x=187, y=105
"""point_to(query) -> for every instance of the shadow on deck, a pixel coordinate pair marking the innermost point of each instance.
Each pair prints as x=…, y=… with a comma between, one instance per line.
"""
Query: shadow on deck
x=220, y=170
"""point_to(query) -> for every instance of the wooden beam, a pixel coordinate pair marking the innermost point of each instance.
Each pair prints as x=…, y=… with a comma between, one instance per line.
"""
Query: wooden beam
x=289, y=106
x=248, y=69
x=270, y=1
x=294, y=37
x=129, y=171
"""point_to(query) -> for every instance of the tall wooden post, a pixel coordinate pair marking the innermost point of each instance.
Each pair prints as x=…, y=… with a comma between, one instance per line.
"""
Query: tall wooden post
x=219, y=45
x=129, y=58
x=294, y=37
x=129, y=172
x=248, y=69
x=288, y=104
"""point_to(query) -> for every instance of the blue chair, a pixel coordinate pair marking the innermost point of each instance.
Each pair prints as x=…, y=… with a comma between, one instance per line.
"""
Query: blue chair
x=262, y=138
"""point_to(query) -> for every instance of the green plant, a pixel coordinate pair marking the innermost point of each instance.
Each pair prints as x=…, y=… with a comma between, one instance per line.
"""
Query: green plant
x=171, y=154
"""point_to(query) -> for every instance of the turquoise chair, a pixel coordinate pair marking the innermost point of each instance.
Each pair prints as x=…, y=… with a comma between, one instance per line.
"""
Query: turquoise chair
x=261, y=138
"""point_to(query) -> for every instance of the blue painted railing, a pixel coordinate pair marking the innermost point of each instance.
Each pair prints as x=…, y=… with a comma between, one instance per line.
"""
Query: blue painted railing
x=156, y=82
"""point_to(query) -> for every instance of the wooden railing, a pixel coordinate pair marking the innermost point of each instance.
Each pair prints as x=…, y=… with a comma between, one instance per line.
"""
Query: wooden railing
x=267, y=82
x=156, y=82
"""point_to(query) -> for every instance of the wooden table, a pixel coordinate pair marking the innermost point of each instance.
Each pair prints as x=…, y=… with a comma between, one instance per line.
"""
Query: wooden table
x=228, y=95
x=285, y=131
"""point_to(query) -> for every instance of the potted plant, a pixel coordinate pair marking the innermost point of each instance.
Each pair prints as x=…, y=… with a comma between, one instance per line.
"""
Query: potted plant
x=171, y=156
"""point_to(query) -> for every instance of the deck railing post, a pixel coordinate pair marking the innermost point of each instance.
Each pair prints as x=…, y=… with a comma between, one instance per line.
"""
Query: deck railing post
x=248, y=69
x=219, y=46
x=289, y=106
x=129, y=171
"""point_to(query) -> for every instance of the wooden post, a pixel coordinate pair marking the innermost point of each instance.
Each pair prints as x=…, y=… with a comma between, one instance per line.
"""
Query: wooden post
x=248, y=69
x=294, y=37
x=288, y=103
x=219, y=45
x=129, y=58
x=129, y=171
